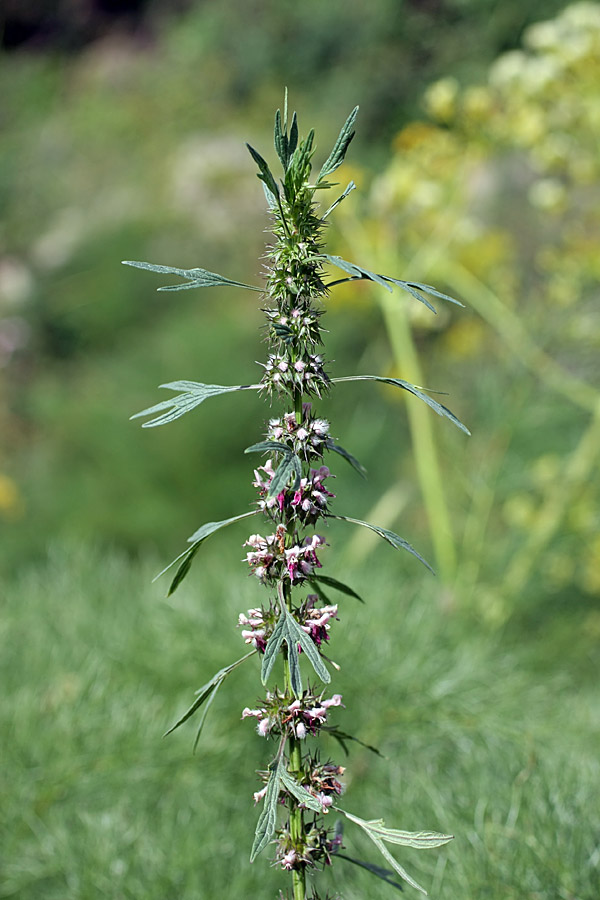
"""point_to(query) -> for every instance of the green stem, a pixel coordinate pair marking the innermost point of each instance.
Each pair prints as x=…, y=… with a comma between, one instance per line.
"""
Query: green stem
x=295, y=769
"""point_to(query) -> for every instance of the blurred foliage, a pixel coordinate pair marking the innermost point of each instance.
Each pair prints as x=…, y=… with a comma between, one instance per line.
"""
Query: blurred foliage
x=497, y=201
x=497, y=746
x=133, y=148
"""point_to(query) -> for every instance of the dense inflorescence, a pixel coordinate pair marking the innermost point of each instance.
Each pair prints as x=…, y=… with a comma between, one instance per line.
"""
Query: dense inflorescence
x=293, y=505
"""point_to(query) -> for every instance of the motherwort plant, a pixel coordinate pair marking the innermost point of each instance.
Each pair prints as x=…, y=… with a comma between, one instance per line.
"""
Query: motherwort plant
x=301, y=787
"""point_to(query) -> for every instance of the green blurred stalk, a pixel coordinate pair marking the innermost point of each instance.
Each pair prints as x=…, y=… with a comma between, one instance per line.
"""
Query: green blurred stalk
x=424, y=446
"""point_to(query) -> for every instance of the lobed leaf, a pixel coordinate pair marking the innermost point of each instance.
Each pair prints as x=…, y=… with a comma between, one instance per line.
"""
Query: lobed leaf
x=289, y=466
x=194, y=393
x=185, y=558
x=267, y=447
x=341, y=737
x=336, y=157
x=288, y=630
x=343, y=196
x=265, y=827
x=197, y=277
x=391, y=537
x=347, y=456
x=378, y=833
x=265, y=173
x=378, y=871
x=357, y=271
x=412, y=389
x=337, y=585
x=272, y=648
x=296, y=634
x=207, y=691
x=210, y=527
x=297, y=790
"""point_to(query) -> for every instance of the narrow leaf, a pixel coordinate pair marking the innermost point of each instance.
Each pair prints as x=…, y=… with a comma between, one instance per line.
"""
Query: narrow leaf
x=294, y=788
x=342, y=737
x=337, y=585
x=265, y=173
x=394, y=539
x=296, y=634
x=265, y=826
x=204, y=714
x=290, y=466
x=343, y=196
x=293, y=659
x=210, y=527
x=293, y=139
x=347, y=456
x=194, y=393
x=336, y=157
x=357, y=271
x=378, y=871
x=378, y=833
x=207, y=689
x=428, y=289
x=281, y=140
x=184, y=568
x=412, y=389
x=268, y=447
x=197, y=277
x=272, y=648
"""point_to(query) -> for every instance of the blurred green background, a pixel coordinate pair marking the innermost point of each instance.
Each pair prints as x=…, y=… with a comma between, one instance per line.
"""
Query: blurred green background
x=122, y=130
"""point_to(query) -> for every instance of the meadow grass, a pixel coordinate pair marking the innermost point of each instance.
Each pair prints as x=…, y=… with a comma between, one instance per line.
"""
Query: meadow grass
x=96, y=664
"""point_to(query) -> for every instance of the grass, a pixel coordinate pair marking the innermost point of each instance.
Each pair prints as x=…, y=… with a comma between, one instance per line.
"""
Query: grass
x=480, y=741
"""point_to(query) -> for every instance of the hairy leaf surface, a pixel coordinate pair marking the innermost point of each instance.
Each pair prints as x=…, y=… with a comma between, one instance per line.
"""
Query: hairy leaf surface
x=412, y=389
x=197, y=277
x=194, y=393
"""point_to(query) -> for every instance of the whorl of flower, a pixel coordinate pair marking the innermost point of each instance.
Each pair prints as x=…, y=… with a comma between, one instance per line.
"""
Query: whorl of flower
x=299, y=326
x=301, y=717
x=305, y=374
x=306, y=438
x=271, y=561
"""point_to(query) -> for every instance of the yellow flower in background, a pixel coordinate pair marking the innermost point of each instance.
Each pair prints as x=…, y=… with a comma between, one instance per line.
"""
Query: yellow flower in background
x=10, y=499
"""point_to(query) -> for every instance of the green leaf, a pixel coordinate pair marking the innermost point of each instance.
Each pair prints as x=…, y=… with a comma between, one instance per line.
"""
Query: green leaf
x=296, y=634
x=194, y=393
x=272, y=648
x=281, y=140
x=268, y=447
x=185, y=559
x=378, y=871
x=265, y=826
x=412, y=389
x=265, y=173
x=197, y=277
x=336, y=157
x=394, y=539
x=294, y=788
x=378, y=833
x=343, y=196
x=288, y=630
x=341, y=737
x=415, y=288
x=289, y=466
x=428, y=289
x=207, y=690
x=347, y=456
x=336, y=585
x=293, y=139
x=357, y=271
x=210, y=527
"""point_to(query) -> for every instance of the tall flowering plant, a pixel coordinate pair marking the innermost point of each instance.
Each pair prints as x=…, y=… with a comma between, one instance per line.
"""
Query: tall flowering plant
x=289, y=631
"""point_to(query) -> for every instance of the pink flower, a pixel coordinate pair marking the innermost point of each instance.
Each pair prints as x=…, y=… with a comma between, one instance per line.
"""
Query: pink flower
x=258, y=795
x=289, y=859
